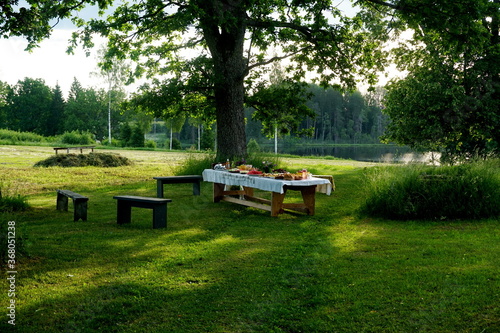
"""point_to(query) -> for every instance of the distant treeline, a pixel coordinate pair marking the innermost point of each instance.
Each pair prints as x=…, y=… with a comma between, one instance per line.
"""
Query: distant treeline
x=31, y=106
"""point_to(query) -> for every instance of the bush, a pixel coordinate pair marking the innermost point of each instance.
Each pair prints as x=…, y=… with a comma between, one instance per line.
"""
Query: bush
x=176, y=144
x=207, y=139
x=13, y=137
x=253, y=146
x=81, y=160
x=77, y=138
x=469, y=190
x=137, y=137
x=125, y=134
x=150, y=144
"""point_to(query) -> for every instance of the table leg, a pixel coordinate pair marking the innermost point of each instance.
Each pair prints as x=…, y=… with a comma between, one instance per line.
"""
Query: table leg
x=248, y=191
x=218, y=192
x=309, y=198
x=277, y=203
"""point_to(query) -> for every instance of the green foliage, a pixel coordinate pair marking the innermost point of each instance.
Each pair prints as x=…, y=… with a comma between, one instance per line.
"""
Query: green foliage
x=125, y=134
x=12, y=202
x=467, y=191
x=81, y=160
x=207, y=140
x=136, y=137
x=77, y=138
x=449, y=100
x=28, y=107
x=281, y=107
x=253, y=146
x=14, y=137
x=150, y=144
x=176, y=144
x=194, y=164
x=301, y=31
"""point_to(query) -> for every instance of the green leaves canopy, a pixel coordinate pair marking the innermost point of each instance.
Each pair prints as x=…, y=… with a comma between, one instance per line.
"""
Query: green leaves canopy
x=449, y=101
x=165, y=38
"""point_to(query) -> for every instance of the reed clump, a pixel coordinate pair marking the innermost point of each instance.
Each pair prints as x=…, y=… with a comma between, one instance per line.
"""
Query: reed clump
x=466, y=191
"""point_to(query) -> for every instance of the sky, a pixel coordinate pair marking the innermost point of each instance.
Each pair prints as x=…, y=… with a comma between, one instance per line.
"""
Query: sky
x=51, y=63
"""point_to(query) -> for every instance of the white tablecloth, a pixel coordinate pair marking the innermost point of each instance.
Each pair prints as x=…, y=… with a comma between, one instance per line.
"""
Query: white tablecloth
x=261, y=183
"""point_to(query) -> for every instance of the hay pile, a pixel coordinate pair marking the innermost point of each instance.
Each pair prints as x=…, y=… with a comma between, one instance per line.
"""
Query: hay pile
x=81, y=160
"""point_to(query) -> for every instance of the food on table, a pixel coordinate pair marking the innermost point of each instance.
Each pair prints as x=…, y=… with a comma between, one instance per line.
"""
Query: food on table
x=254, y=173
x=234, y=170
x=245, y=167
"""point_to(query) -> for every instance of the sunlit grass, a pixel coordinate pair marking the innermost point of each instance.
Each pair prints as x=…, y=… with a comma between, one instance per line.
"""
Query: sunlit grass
x=226, y=268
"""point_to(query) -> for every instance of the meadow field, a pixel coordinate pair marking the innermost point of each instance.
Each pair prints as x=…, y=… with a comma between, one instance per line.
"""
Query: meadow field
x=219, y=267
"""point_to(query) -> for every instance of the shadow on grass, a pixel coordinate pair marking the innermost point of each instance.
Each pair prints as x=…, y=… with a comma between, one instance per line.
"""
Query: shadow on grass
x=225, y=268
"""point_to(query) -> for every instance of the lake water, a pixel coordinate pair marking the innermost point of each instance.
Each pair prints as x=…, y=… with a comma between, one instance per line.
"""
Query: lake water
x=365, y=153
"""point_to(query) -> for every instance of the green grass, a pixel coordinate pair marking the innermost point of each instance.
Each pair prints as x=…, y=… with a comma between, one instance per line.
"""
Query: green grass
x=470, y=190
x=225, y=268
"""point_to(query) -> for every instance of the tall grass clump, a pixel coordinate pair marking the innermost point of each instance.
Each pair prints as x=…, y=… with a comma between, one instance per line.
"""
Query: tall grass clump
x=194, y=164
x=466, y=191
x=15, y=137
x=12, y=203
x=77, y=138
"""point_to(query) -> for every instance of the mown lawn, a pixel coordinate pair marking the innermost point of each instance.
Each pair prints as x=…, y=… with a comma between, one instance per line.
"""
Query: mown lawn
x=225, y=268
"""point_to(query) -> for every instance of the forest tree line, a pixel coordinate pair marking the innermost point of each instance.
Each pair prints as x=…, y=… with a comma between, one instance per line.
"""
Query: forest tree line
x=32, y=106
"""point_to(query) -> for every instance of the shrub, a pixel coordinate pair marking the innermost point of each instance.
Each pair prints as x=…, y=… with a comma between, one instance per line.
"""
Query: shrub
x=125, y=134
x=207, y=140
x=253, y=146
x=137, y=137
x=13, y=137
x=195, y=164
x=80, y=160
x=469, y=190
x=77, y=138
x=150, y=144
x=176, y=144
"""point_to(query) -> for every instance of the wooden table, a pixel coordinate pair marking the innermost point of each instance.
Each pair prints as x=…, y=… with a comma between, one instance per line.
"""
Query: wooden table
x=278, y=189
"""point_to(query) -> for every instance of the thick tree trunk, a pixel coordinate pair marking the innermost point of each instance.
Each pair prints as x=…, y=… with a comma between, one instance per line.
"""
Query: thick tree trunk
x=229, y=99
x=225, y=41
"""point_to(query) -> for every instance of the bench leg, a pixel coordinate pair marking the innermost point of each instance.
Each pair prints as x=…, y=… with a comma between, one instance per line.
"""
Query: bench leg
x=196, y=188
x=159, y=188
x=160, y=216
x=62, y=202
x=80, y=207
x=123, y=212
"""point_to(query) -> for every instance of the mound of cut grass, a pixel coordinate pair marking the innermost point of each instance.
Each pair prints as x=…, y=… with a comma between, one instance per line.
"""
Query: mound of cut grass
x=81, y=160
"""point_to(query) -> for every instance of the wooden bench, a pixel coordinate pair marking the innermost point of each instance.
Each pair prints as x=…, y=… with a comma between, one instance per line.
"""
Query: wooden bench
x=126, y=202
x=79, y=203
x=195, y=179
x=74, y=148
